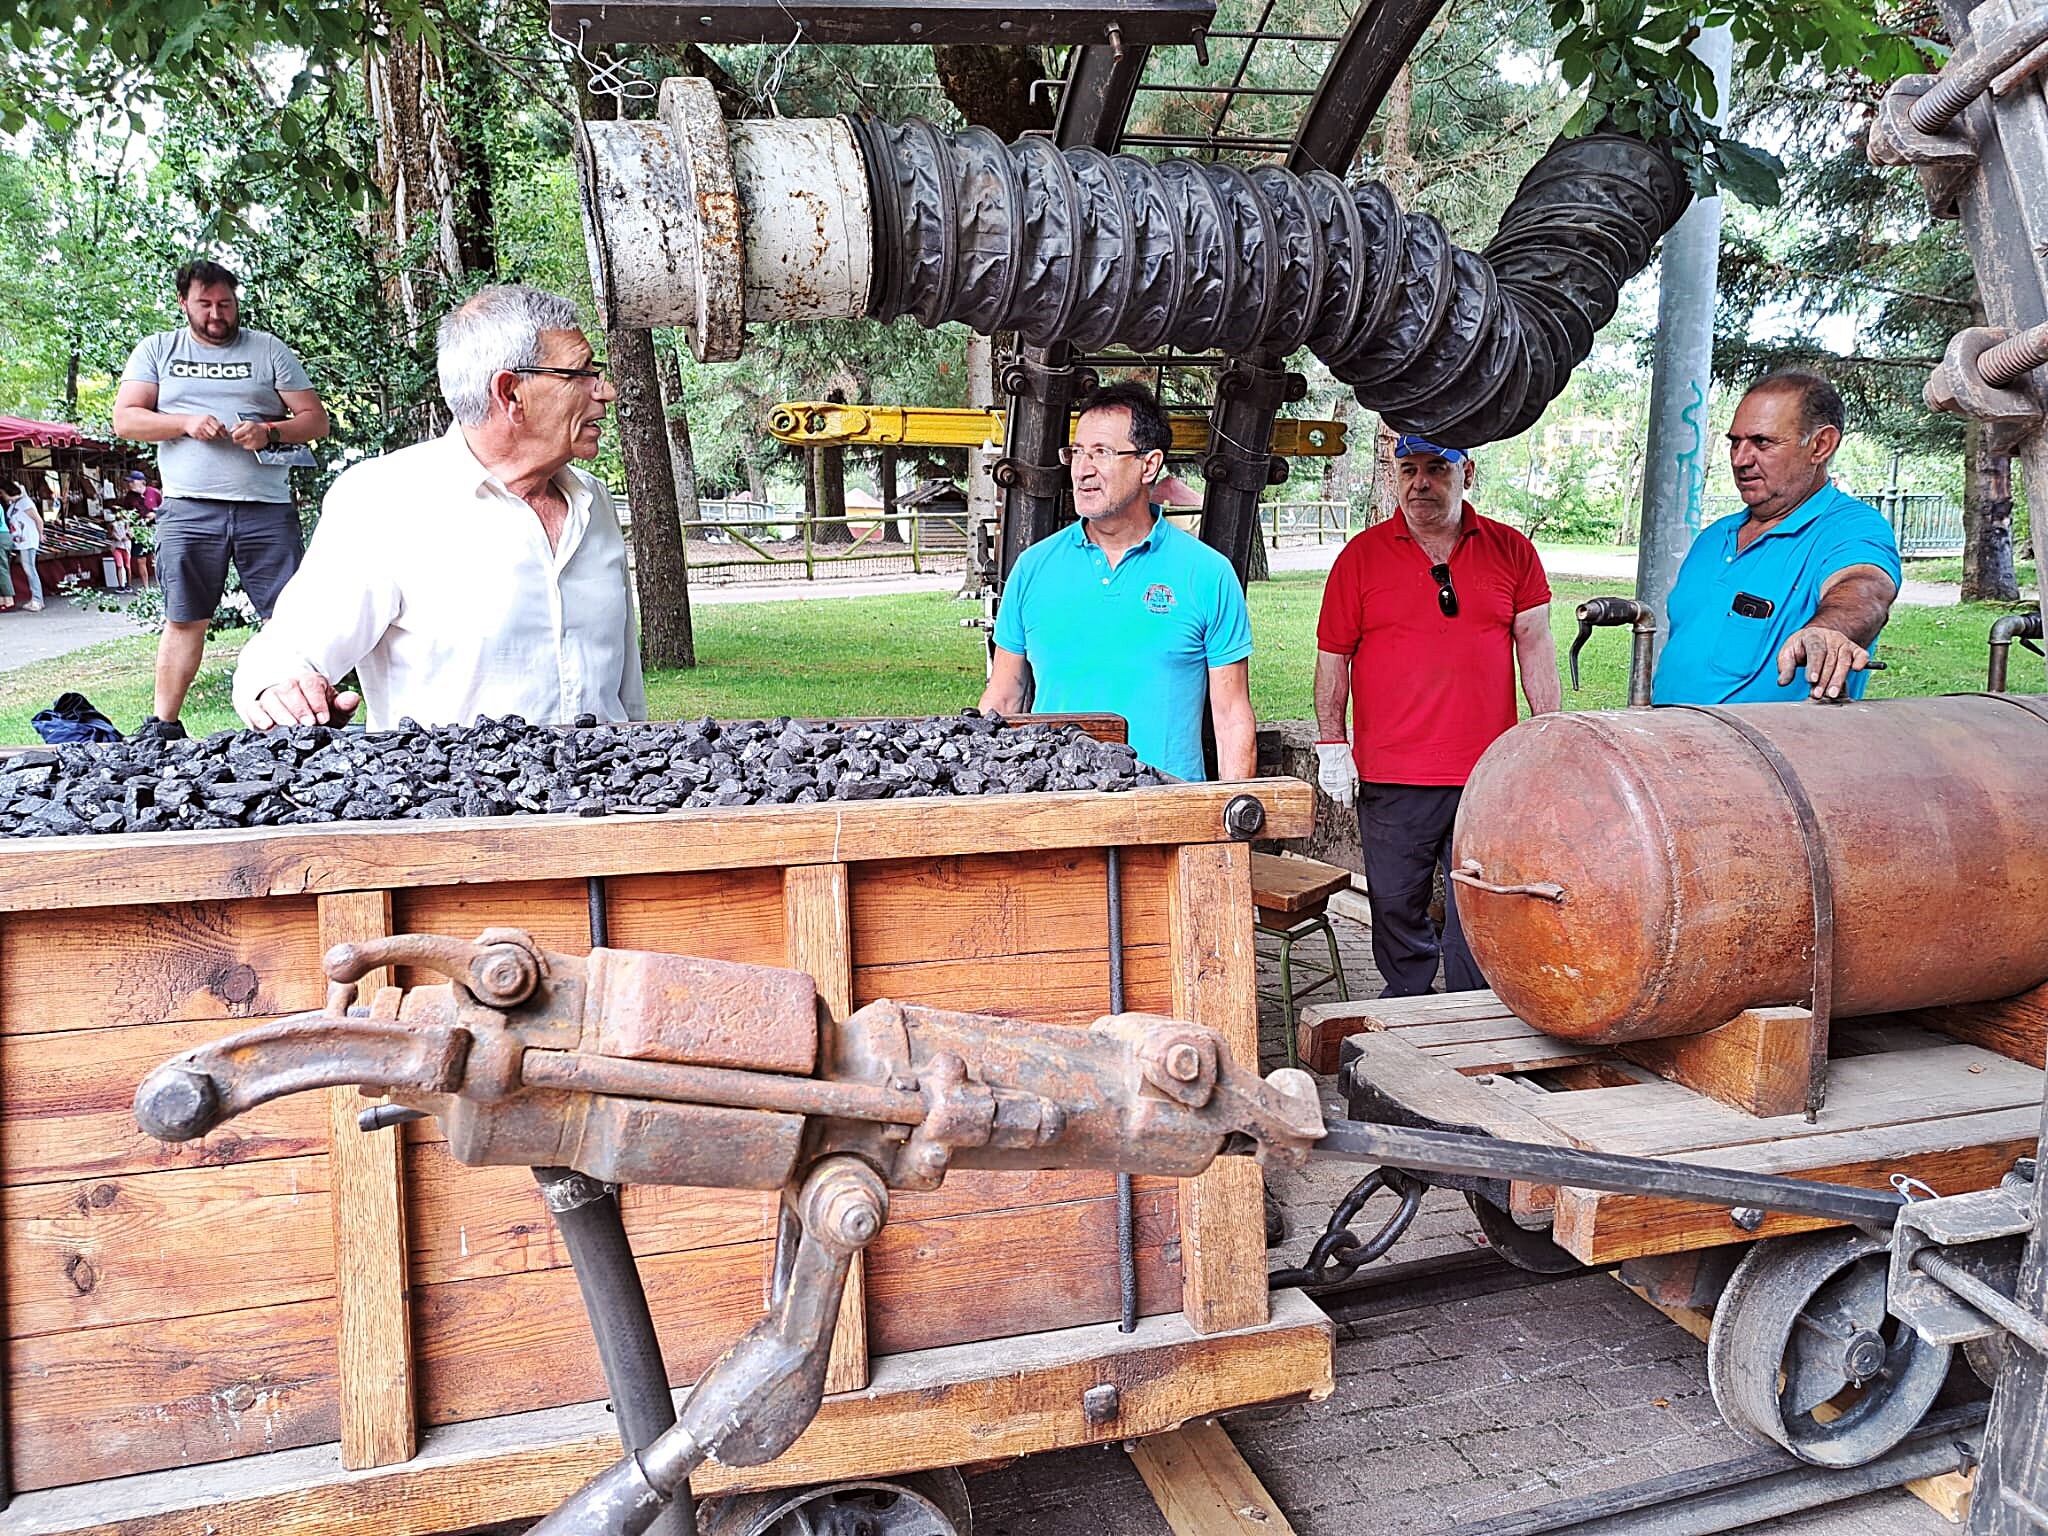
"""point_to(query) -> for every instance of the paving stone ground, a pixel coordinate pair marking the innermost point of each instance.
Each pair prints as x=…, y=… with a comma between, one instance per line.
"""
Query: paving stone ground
x=1447, y=1413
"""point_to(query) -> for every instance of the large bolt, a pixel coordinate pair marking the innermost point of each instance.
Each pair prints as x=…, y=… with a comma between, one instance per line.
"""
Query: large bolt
x=1183, y=1063
x=1865, y=1356
x=504, y=976
x=2012, y=360
x=176, y=1103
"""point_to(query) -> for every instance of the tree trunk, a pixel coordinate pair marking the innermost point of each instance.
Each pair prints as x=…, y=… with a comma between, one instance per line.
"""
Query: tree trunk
x=1386, y=487
x=1988, y=574
x=1258, y=568
x=71, y=385
x=682, y=458
x=1395, y=156
x=992, y=87
x=885, y=486
x=659, y=571
x=423, y=207
x=828, y=517
x=829, y=526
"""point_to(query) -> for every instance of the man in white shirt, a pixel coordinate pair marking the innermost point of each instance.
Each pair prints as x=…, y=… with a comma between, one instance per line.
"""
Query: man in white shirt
x=476, y=574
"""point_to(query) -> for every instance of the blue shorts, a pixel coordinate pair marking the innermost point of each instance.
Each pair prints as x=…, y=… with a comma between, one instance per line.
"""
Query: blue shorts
x=196, y=539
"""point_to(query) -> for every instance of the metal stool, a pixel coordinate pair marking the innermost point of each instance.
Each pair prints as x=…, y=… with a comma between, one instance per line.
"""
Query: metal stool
x=1291, y=898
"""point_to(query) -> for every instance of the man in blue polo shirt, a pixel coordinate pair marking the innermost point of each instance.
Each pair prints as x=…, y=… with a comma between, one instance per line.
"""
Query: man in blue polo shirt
x=1125, y=613
x=1787, y=601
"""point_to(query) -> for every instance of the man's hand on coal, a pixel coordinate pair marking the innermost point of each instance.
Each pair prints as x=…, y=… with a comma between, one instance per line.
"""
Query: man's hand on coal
x=307, y=699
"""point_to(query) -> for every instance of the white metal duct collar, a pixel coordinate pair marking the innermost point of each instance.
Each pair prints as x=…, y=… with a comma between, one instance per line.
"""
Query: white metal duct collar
x=695, y=223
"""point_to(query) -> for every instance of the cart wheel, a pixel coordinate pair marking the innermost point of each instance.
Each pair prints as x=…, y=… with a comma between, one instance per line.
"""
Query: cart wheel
x=1518, y=1245
x=1987, y=1356
x=922, y=1504
x=1804, y=1355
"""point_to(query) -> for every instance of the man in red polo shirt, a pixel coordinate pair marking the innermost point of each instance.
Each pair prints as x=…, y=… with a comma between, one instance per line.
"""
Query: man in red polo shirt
x=1426, y=619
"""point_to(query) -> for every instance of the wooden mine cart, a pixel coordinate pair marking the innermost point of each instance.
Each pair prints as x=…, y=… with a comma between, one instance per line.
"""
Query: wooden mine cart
x=297, y=1326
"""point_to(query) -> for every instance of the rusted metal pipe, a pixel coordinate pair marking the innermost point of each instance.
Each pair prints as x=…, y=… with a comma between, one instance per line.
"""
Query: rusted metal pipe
x=2023, y=627
x=1599, y=611
x=1688, y=873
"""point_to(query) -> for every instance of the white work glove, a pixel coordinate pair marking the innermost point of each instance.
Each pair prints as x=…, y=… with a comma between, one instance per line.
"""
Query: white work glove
x=1336, y=772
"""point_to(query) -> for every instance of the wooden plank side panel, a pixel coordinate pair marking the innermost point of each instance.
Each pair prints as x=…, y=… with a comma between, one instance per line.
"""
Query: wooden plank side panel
x=466, y=1223
x=910, y=910
x=1223, y=1243
x=514, y=1342
x=1000, y=1273
x=100, y=1253
x=976, y=1402
x=1070, y=988
x=69, y=970
x=67, y=1106
x=60, y=873
x=373, y=1304
x=108, y=1402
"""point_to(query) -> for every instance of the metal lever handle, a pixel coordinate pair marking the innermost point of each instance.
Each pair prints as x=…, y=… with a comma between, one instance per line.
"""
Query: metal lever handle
x=1608, y=611
x=502, y=969
x=1469, y=873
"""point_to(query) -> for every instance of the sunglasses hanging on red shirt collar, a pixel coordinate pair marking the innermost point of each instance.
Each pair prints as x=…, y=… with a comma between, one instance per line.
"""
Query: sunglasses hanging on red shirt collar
x=1446, y=594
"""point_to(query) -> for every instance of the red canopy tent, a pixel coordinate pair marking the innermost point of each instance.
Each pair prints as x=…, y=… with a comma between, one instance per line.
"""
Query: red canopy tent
x=44, y=434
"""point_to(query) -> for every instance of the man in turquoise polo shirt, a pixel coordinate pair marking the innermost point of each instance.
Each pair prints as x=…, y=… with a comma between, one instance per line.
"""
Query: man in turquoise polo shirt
x=1786, y=602
x=1125, y=613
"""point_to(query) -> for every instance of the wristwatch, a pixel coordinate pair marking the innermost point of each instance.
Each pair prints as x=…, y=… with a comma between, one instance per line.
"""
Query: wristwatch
x=271, y=432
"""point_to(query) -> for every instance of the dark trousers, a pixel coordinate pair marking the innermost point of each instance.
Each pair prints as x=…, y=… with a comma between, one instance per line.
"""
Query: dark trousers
x=1406, y=833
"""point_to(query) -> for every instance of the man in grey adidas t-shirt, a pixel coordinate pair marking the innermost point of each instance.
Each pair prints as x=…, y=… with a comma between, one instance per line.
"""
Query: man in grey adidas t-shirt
x=227, y=407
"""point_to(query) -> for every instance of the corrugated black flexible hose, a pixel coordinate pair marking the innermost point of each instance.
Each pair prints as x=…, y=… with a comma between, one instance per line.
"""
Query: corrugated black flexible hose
x=1076, y=245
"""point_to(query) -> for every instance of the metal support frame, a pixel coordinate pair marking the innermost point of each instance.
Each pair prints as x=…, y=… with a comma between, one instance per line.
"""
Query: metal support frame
x=674, y=22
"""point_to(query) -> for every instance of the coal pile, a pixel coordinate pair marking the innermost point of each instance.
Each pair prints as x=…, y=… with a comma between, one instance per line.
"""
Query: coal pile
x=309, y=774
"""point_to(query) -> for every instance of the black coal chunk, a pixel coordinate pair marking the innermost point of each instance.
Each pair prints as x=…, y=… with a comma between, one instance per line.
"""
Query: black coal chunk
x=308, y=775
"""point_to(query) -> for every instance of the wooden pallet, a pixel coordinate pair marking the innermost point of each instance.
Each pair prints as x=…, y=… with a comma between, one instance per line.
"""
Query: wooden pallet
x=1902, y=1098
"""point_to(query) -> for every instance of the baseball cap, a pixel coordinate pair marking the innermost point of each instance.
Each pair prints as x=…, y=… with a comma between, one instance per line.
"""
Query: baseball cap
x=1410, y=443
x=136, y=474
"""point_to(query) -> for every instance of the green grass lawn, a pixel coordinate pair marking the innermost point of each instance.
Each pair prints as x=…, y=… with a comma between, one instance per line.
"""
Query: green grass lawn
x=908, y=656
x=1951, y=571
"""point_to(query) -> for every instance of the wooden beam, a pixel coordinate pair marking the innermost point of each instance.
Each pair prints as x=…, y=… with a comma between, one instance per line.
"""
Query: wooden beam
x=1204, y=1487
x=933, y=1408
x=367, y=1173
x=1955, y=1154
x=818, y=924
x=1760, y=1061
x=146, y=867
x=1222, y=1213
x=2012, y=1026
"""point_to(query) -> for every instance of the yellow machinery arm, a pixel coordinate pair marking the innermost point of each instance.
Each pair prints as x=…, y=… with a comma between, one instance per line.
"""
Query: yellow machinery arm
x=816, y=424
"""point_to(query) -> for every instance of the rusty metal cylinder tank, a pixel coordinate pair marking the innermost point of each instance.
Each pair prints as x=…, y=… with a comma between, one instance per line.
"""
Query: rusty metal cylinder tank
x=1631, y=874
